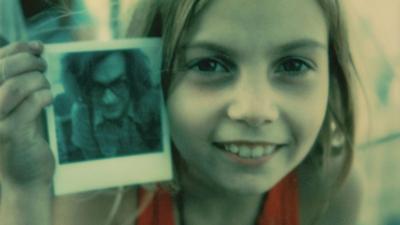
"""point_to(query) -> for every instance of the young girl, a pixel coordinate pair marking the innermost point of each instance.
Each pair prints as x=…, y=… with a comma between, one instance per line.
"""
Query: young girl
x=260, y=106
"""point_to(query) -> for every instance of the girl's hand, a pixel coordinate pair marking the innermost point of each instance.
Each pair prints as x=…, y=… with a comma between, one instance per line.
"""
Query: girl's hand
x=25, y=159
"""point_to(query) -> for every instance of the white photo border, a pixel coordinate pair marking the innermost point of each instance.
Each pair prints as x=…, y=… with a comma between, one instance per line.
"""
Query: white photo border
x=112, y=172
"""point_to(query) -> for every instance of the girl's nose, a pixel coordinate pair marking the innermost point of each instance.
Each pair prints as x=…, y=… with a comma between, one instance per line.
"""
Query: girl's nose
x=253, y=106
x=109, y=97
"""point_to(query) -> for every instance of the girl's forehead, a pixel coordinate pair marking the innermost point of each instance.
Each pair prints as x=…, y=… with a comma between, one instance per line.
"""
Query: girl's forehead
x=278, y=19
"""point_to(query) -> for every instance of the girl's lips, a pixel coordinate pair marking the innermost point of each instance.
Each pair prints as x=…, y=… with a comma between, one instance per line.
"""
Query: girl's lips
x=253, y=154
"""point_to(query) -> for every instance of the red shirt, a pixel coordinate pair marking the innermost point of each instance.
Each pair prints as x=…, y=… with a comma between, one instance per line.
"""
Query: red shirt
x=280, y=207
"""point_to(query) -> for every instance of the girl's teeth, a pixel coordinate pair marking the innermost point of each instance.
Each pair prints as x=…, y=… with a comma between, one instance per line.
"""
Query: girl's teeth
x=234, y=149
x=250, y=152
x=268, y=150
x=257, y=152
x=244, y=152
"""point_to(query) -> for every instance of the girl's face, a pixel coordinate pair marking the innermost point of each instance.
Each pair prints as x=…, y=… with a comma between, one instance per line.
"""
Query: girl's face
x=251, y=91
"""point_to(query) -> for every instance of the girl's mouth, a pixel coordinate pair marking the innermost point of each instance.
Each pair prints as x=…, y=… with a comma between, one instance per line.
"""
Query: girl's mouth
x=248, y=151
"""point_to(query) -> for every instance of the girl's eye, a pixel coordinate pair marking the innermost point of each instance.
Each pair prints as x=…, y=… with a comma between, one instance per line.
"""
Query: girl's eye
x=293, y=67
x=208, y=66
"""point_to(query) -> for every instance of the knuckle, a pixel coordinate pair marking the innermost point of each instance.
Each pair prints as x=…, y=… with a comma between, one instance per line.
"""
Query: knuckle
x=37, y=98
x=42, y=64
x=19, y=47
x=40, y=80
x=27, y=56
x=11, y=89
x=34, y=62
x=36, y=75
x=45, y=83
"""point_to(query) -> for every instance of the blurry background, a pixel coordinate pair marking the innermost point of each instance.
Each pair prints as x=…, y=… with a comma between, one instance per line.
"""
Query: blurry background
x=375, y=38
x=55, y=21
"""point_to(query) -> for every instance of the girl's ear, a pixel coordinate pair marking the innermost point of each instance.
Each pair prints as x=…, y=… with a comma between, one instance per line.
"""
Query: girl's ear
x=335, y=114
x=337, y=138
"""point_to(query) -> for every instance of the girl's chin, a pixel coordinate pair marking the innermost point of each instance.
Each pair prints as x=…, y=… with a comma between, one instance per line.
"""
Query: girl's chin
x=249, y=191
x=247, y=187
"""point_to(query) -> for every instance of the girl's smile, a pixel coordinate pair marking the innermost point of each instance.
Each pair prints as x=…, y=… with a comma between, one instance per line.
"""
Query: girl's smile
x=247, y=153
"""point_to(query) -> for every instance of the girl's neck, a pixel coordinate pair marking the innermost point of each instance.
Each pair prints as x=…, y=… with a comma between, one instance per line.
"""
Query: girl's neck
x=203, y=203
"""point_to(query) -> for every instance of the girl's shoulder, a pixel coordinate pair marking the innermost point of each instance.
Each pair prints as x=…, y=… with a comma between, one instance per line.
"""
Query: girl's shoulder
x=344, y=202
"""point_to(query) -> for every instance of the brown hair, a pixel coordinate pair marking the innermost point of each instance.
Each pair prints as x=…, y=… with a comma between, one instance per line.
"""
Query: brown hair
x=341, y=94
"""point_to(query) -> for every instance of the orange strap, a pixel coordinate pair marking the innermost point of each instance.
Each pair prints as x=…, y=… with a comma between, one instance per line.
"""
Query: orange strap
x=159, y=210
x=280, y=207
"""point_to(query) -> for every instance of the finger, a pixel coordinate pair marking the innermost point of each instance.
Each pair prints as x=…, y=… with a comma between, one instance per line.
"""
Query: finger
x=15, y=90
x=34, y=47
x=29, y=110
x=20, y=63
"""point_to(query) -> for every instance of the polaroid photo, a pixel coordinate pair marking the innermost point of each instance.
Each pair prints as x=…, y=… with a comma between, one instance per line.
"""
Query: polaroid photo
x=107, y=125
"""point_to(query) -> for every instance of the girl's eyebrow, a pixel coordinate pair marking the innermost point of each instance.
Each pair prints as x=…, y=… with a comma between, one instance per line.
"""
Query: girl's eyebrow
x=306, y=43
x=209, y=46
x=299, y=44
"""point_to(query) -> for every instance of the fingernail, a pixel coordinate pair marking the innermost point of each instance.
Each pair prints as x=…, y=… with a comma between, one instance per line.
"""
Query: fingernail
x=37, y=45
